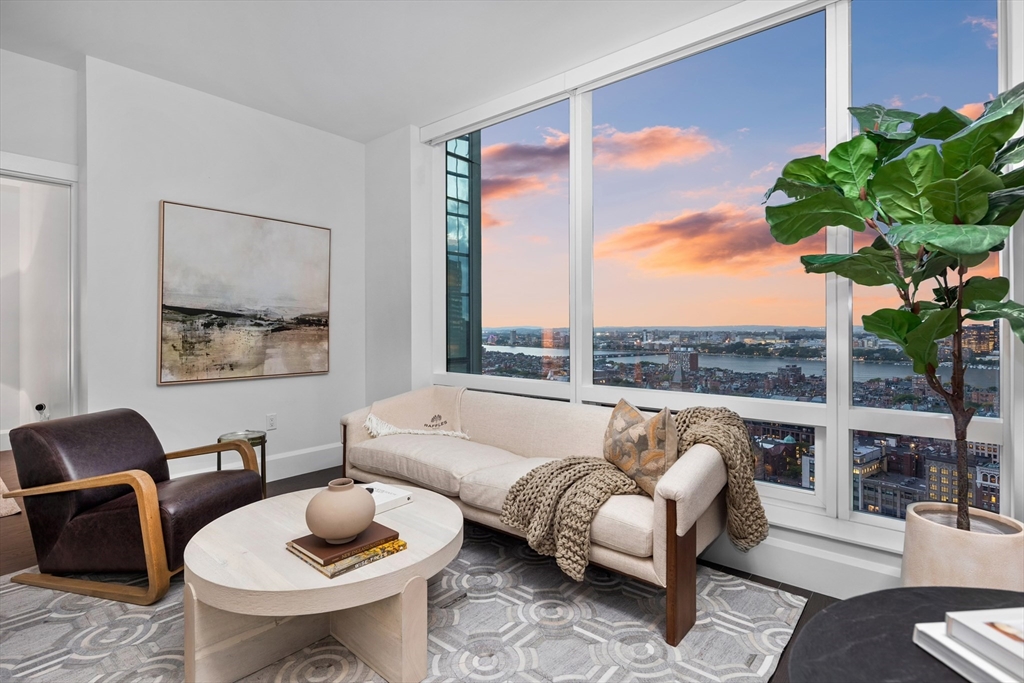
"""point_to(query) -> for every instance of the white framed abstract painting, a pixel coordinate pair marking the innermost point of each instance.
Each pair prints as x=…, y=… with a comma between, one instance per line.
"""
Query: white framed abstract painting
x=241, y=296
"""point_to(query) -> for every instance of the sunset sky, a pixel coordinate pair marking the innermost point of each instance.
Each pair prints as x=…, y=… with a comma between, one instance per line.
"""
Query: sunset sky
x=682, y=157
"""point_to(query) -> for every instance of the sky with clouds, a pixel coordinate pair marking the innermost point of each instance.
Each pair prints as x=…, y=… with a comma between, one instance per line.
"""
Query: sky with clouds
x=682, y=157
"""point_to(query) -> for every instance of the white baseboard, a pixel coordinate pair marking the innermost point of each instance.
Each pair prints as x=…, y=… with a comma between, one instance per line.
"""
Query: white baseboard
x=822, y=565
x=279, y=465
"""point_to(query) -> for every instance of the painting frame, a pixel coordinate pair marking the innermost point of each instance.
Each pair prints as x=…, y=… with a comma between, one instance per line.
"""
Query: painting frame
x=164, y=228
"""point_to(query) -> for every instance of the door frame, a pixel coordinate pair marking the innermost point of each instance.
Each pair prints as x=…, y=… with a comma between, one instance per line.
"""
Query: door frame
x=23, y=167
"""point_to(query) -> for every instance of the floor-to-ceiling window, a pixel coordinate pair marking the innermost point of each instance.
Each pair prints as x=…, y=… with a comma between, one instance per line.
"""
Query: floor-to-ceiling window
x=681, y=295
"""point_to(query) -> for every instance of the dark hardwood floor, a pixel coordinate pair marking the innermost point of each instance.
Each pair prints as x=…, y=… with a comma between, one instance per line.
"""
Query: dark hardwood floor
x=16, y=551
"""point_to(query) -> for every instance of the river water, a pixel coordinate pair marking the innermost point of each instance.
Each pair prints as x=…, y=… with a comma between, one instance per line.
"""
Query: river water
x=862, y=371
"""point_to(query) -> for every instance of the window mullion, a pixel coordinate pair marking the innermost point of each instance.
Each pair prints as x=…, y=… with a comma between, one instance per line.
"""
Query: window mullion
x=834, y=471
x=581, y=241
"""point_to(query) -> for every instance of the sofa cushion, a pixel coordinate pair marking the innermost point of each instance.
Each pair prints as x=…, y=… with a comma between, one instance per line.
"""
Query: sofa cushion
x=624, y=523
x=435, y=462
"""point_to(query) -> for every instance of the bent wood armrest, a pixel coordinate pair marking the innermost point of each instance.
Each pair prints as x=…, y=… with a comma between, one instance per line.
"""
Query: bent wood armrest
x=152, y=540
x=693, y=482
x=243, y=447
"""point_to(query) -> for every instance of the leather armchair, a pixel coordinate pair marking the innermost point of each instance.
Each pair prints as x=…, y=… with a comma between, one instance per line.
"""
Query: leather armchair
x=99, y=498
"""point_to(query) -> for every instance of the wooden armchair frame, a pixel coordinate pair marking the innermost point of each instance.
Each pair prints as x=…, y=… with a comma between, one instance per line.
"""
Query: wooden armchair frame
x=149, y=518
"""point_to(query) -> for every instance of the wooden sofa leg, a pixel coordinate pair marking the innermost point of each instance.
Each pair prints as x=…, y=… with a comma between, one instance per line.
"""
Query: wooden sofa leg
x=681, y=576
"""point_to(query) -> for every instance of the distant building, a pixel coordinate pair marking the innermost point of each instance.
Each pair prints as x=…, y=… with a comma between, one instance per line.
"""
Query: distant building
x=867, y=462
x=889, y=494
x=694, y=362
x=807, y=468
x=981, y=339
x=986, y=486
x=940, y=469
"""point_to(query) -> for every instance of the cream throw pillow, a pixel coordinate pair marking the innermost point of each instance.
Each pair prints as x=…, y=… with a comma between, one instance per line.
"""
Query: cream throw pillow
x=644, y=448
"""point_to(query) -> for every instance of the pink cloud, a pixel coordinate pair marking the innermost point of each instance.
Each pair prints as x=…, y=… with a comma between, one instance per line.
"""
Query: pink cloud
x=767, y=168
x=972, y=110
x=986, y=24
x=726, y=239
x=894, y=102
x=521, y=158
x=808, y=149
x=723, y=192
x=650, y=147
x=497, y=188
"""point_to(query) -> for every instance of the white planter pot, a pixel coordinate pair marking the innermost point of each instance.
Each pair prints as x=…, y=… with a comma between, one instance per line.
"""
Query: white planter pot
x=937, y=554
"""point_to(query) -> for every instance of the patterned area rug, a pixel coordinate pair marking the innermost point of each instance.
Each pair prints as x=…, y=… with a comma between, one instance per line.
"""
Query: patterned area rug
x=499, y=612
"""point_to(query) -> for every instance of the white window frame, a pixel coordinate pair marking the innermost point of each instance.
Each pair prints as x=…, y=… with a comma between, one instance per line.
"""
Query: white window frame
x=825, y=510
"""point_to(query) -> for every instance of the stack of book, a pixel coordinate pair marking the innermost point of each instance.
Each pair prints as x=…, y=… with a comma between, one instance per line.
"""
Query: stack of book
x=376, y=543
x=983, y=646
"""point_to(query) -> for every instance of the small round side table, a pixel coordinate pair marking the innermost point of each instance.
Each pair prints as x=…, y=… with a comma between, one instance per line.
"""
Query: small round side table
x=254, y=438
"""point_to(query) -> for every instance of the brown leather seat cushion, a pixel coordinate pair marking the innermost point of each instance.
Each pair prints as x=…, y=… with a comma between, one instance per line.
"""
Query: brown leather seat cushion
x=108, y=538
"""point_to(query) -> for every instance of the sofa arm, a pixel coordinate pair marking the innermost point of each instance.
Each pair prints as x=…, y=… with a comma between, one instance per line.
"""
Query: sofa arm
x=690, y=487
x=693, y=482
x=353, y=431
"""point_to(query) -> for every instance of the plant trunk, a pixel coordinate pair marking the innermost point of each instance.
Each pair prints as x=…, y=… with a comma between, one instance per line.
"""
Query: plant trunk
x=963, y=480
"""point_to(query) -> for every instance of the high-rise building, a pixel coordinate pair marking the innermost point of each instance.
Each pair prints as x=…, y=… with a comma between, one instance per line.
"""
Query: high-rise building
x=982, y=339
x=867, y=461
x=694, y=361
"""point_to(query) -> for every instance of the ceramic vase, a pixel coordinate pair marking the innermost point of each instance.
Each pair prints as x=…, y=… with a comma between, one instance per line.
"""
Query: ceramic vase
x=340, y=512
x=936, y=553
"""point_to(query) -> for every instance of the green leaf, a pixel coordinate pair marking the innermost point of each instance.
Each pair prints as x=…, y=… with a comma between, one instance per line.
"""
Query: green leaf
x=888, y=149
x=1013, y=178
x=802, y=178
x=922, y=346
x=810, y=170
x=977, y=144
x=850, y=163
x=1010, y=311
x=878, y=119
x=984, y=289
x=965, y=199
x=1011, y=153
x=1005, y=104
x=935, y=264
x=898, y=185
x=892, y=324
x=956, y=240
x=790, y=223
x=795, y=189
x=941, y=124
x=869, y=267
x=1005, y=206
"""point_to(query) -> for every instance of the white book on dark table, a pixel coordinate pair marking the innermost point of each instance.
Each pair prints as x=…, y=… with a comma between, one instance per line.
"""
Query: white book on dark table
x=387, y=497
x=995, y=634
x=932, y=639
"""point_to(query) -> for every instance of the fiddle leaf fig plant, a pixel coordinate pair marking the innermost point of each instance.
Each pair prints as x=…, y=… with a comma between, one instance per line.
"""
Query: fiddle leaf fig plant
x=935, y=213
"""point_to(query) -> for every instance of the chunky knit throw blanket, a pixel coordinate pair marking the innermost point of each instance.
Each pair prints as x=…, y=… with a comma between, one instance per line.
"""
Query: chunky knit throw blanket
x=554, y=505
x=723, y=430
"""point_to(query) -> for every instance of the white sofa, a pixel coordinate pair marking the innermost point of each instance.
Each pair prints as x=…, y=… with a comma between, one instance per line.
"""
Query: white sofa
x=654, y=540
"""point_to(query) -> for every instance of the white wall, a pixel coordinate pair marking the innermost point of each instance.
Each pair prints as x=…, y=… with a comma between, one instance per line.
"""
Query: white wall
x=397, y=264
x=147, y=140
x=38, y=108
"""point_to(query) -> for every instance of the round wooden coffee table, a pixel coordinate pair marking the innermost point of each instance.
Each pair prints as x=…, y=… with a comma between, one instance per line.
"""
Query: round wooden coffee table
x=249, y=602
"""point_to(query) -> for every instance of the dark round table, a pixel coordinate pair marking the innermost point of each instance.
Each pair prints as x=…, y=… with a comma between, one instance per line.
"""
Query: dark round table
x=869, y=638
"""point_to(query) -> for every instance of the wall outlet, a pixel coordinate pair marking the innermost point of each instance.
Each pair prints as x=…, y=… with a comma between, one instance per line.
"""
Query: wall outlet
x=271, y=421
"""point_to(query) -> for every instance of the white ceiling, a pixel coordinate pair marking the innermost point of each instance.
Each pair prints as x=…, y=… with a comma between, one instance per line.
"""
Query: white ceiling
x=358, y=68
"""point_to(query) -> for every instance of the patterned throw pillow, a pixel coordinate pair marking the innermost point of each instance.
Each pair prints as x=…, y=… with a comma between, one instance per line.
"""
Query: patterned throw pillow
x=642, y=447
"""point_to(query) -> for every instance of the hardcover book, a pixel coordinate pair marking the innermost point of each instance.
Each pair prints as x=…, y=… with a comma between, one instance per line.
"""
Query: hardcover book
x=932, y=638
x=324, y=553
x=387, y=497
x=995, y=634
x=355, y=561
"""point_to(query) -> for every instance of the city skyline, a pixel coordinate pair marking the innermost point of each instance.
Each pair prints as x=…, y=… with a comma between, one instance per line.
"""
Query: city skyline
x=679, y=232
